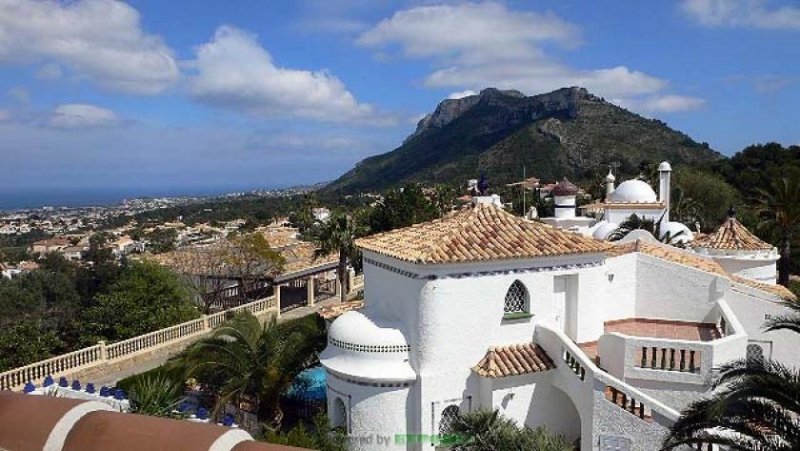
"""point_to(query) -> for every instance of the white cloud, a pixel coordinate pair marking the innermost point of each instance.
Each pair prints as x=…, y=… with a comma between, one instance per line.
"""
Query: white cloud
x=742, y=13
x=461, y=94
x=768, y=84
x=234, y=71
x=475, y=45
x=670, y=104
x=77, y=115
x=100, y=40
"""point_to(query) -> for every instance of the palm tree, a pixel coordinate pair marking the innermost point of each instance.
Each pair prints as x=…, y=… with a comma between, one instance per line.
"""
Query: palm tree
x=755, y=404
x=482, y=430
x=780, y=209
x=634, y=222
x=251, y=365
x=156, y=395
x=339, y=234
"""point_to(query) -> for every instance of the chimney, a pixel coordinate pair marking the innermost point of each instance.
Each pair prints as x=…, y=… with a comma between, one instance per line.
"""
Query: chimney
x=610, y=179
x=664, y=171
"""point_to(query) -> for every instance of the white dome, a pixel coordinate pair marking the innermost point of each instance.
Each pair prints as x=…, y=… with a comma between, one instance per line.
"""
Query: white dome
x=664, y=167
x=603, y=229
x=359, y=348
x=633, y=191
x=674, y=229
x=354, y=327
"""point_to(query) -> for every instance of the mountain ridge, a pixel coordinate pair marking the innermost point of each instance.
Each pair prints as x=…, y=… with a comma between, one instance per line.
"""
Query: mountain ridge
x=568, y=132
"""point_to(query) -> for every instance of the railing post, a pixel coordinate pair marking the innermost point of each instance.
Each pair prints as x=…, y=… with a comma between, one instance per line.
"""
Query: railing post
x=206, y=325
x=277, y=291
x=310, y=291
x=103, y=350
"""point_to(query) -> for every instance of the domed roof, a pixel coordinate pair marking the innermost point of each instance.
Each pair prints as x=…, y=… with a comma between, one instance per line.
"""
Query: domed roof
x=677, y=231
x=664, y=166
x=354, y=327
x=633, y=191
x=359, y=348
x=603, y=229
x=564, y=188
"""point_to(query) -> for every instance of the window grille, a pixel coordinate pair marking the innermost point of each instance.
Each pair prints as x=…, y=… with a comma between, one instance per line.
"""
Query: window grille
x=516, y=298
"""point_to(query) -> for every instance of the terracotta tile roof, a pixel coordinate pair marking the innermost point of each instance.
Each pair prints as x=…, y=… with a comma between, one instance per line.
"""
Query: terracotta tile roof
x=513, y=360
x=778, y=290
x=669, y=253
x=564, y=188
x=732, y=235
x=335, y=310
x=481, y=232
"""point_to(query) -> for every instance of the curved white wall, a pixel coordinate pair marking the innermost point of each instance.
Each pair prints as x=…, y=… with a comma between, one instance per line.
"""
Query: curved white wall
x=375, y=414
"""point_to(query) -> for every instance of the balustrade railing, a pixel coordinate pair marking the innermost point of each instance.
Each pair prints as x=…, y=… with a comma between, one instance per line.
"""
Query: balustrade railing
x=574, y=364
x=101, y=353
x=669, y=359
x=628, y=403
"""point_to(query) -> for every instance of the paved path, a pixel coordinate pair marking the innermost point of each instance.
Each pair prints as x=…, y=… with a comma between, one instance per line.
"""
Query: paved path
x=155, y=362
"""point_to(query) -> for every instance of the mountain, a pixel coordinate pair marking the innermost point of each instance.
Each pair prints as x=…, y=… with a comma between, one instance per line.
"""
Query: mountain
x=568, y=132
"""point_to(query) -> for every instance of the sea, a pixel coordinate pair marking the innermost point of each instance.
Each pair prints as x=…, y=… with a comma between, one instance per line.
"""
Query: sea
x=18, y=199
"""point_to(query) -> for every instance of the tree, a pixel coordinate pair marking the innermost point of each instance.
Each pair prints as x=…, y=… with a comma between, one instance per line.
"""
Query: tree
x=146, y=297
x=754, y=405
x=401, y=208
x=339, y=234
x=482, y=430
x=251, y=365
x=157, y=395
x=779, y=207
x=693, y=185
x=636, y=223
x=320, y=436
x=204, y=271
x=250, y=257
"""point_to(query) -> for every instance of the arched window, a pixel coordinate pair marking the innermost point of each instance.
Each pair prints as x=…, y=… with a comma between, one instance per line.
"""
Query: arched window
x=449, y=416
x=516, y=299
x=755, y=352
x=339, y=414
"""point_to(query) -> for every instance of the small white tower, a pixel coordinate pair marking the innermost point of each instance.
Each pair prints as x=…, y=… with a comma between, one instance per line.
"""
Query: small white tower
x=664, y=172
x=610, y=179
x=564, y=195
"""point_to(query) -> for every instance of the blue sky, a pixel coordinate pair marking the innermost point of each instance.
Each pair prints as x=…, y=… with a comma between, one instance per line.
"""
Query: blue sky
x=178, y=95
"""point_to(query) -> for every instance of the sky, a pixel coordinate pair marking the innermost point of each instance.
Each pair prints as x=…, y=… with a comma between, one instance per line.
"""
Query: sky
x=200, y=94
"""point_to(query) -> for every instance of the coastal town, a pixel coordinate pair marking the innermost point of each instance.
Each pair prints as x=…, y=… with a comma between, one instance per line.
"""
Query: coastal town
x=482, y=225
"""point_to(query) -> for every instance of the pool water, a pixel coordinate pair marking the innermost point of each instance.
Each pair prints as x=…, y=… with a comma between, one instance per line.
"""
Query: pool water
x=309, y=385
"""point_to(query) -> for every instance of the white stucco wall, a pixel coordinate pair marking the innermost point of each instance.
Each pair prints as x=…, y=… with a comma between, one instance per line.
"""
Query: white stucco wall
x=375, y=414
x=669, y=291
x=534, y=401
x=760, y=269
x=752, y=309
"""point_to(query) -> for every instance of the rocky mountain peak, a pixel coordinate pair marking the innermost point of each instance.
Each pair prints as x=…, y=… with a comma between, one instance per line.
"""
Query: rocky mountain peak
x=564, y=100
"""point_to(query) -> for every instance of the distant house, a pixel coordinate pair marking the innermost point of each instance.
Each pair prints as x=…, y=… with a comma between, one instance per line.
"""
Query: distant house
x=321, y=214
x=49, y=245
x=123, y=246
x=10, y=271
x=73, y=253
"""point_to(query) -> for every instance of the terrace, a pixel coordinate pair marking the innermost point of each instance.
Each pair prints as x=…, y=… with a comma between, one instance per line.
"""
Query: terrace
x=669, y=350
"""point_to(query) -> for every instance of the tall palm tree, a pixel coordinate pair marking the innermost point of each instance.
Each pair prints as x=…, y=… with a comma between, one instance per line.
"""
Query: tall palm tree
x=780, y=208
x=250, y=364
x=339, y=234
x=754, y=406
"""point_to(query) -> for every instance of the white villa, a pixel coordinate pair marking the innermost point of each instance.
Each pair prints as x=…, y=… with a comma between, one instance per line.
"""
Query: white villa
x=602, y=342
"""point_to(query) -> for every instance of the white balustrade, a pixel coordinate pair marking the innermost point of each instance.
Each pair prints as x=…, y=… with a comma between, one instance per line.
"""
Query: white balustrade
x=101, y=353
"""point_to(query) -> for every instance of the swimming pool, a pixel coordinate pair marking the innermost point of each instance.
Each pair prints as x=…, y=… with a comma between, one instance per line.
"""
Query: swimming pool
x=309, y=385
